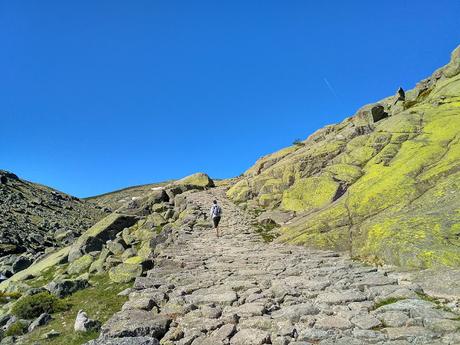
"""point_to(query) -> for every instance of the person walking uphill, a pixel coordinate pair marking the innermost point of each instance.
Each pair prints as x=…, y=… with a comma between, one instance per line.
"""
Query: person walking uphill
x=216, y=212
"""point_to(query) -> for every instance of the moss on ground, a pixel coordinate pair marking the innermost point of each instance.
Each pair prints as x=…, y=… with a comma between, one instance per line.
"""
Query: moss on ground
x=387, y=301
x=268, y=232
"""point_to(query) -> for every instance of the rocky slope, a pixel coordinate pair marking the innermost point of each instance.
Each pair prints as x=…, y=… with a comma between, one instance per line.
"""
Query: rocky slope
x=118, y=198
x=101, y=262
x=34, y=217
x=154, y=273
x=384, y=184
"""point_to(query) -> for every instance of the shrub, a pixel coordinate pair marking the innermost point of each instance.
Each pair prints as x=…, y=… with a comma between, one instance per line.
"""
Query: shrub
x=30, y=307
x=298, y=142
x=17, y=328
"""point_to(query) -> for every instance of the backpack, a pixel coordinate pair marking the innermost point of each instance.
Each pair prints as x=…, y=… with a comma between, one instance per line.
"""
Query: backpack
x=216, y=211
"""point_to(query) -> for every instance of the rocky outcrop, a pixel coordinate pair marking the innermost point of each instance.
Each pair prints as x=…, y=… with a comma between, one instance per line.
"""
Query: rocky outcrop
x=382, y=185
x=42, y=320
x=95, y=237
x=198, y=180
x=66, y=287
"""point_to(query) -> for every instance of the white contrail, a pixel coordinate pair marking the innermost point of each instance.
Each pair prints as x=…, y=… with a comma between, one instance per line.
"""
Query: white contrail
x=330, y=87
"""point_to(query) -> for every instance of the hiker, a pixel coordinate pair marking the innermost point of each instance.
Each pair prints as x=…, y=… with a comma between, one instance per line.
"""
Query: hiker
x=216, y=211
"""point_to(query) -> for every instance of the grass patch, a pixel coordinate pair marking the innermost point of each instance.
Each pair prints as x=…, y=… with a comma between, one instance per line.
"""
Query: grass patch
x=387, y=301
x=45, y=277
x=428, y=298
x=100, y=301
x=436, y=301
x=298, y=142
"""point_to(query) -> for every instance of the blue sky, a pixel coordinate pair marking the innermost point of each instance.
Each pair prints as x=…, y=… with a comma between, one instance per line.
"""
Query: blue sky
x=100, y=95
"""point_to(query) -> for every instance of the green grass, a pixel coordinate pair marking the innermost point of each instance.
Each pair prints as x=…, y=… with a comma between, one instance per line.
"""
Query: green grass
x=387, y=301
x=45, y=277
x=100, y=301
x=436, y=301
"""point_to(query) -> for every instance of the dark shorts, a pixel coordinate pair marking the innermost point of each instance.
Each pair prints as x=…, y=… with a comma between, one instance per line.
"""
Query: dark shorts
x=215, y=221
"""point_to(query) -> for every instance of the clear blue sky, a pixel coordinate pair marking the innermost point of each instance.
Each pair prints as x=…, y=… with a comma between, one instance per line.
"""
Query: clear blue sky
x=99, y=95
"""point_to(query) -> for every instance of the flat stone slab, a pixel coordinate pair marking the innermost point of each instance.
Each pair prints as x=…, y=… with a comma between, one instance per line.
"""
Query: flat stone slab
x=442, y=283
x=403, y=333
x=294, y=312
x=341, y=297
x=125, y=341
x=224, y=298
x=366, y=321
x=135, y=323
x=250, y=309
x=250, y=337
x=333, y=322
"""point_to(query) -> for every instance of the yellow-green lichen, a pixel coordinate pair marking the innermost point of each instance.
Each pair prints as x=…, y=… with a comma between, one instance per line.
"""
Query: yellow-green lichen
x=309, y=194
x=198, y=179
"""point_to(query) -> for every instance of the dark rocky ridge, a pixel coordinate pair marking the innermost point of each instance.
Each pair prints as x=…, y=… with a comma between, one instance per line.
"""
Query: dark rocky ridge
x=34, y=217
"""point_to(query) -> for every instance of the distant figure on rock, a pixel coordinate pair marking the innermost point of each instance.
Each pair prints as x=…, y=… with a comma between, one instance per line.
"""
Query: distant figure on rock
x=400, y=95
x=216, y=212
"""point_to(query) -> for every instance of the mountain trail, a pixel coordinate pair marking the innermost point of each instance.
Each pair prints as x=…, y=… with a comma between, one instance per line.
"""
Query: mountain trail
x=236, y=289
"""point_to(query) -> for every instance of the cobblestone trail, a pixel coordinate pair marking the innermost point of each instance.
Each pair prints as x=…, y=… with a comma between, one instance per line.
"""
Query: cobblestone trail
x=238, y=290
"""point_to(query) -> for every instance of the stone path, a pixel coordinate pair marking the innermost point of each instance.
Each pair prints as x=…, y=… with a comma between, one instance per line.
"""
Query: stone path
x=238, y=290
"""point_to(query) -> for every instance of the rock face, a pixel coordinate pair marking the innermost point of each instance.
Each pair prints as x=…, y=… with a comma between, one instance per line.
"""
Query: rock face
x=95, y=237
x=383, y=184
x=34, y=217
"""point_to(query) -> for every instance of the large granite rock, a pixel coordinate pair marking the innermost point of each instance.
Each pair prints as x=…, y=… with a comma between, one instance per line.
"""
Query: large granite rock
x=96, y=236
x=135, y=323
